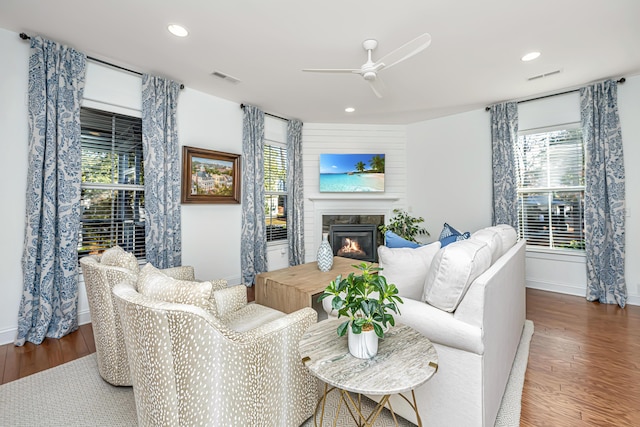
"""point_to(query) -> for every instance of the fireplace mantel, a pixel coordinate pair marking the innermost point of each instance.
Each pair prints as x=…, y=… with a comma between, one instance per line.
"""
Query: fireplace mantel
x=353, y=197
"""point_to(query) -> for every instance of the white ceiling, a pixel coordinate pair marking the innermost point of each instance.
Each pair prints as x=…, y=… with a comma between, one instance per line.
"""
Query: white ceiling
x=473, y=60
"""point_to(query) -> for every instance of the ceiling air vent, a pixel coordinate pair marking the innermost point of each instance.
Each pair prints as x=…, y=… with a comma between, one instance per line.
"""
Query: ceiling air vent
x=225, y=77
x=539, y=76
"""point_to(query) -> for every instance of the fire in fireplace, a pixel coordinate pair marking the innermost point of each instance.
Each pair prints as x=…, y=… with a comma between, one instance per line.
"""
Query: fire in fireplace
x=356, y=241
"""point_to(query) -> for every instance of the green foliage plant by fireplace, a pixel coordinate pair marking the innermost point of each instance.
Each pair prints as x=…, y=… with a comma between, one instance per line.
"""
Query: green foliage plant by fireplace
x=366, y=299
x=405, y=226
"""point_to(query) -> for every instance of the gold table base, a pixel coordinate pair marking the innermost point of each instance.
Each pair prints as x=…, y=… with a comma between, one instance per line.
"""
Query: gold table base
x=355, y=408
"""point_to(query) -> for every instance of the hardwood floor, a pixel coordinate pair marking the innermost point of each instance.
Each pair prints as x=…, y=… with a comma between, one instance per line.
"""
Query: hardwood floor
x=584, y=361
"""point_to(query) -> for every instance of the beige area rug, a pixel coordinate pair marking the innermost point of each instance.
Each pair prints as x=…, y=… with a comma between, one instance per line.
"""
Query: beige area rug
x=73, y=394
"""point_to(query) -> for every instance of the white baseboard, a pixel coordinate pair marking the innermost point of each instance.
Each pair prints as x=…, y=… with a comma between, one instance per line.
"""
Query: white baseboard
x=571, y=290
x=9, y=335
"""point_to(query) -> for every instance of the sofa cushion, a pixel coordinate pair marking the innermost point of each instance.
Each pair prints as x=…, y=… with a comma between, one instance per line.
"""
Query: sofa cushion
x=492, y=239
x=392, y=240
x=118, y=257
x=153, y=283
x=449, y=235
x=452, y=271
x=407, y=268
x=508, y=234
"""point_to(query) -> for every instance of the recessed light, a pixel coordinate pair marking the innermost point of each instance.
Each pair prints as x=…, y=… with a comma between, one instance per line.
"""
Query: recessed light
x=530, y=56
x=349, y=109
x=178, y=30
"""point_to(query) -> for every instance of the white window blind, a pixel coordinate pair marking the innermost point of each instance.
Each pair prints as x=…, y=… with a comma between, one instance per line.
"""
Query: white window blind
x=112, y=200
x=275, y=186
x=550, y=171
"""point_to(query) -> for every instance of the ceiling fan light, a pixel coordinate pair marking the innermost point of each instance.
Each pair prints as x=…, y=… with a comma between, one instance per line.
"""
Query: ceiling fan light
x=530, y=56
x=178, y=30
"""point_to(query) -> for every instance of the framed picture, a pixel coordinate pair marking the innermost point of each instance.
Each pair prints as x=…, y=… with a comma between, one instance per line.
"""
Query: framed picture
x=210, y=176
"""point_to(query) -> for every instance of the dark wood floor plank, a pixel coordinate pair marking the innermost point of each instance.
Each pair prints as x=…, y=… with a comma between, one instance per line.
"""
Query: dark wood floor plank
x=73, y=346
x=3, y=360
x=89, y=340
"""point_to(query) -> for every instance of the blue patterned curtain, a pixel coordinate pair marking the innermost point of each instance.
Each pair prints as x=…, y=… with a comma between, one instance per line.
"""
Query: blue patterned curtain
x=295, y=201
x=604, y=212
x=163, y=239
x=253, y=246
x=49, y=305
x=504, y=134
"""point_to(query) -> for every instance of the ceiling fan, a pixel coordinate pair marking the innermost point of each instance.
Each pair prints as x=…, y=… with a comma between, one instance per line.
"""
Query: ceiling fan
x=369, y=70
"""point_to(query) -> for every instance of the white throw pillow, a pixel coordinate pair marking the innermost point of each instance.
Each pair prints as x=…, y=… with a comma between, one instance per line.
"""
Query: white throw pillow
x=153, y=283
x=407, y=267
x=452, y=271
x=492, y=239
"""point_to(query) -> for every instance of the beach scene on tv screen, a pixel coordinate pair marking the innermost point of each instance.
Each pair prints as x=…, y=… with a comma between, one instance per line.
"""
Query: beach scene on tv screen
x=351, y=172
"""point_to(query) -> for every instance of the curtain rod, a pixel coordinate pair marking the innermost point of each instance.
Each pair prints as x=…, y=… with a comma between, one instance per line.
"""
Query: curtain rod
x=620, y=80
x=269, y=114
x=25, y=36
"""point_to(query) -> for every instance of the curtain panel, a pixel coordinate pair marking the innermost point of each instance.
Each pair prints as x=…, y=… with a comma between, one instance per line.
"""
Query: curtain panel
x=504, y=134
x=49, y=304
x=604, y=211
x=163, y=233
x=253, y=245
x=295, y=186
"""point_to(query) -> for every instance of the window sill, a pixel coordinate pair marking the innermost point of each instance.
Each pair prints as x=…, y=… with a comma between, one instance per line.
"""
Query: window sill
x=568, y=255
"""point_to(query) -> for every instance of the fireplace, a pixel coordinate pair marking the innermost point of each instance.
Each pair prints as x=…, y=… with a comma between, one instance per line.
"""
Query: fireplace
x=357, y=241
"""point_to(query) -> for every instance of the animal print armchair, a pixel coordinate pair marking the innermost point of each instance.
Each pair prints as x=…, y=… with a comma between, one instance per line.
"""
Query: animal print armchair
x=101, y=273
x=238, y=367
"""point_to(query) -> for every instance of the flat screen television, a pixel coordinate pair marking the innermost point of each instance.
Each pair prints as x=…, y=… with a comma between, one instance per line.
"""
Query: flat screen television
x=351, y=173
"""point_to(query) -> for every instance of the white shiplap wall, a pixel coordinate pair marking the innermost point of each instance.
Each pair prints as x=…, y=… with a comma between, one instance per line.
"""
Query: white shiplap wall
x=389, y=140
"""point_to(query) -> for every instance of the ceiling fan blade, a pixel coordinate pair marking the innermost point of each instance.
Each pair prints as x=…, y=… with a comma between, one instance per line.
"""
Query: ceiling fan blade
x=377, y=86
x=405, y=51
x=332, y=70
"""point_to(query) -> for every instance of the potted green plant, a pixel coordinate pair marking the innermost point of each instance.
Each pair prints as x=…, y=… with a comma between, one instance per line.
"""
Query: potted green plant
x=405, y=225
x=368, y=301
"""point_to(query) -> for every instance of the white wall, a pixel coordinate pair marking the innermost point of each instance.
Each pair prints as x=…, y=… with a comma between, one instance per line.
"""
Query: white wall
x=13, y=176
x=449, y=172
x=317, y=138
x=449, y=179
x=210, y=233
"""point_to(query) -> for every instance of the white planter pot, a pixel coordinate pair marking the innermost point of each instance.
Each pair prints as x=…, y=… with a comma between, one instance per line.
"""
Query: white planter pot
x=363, y=345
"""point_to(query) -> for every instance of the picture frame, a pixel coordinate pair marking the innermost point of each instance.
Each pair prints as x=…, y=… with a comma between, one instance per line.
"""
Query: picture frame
x=210, y=176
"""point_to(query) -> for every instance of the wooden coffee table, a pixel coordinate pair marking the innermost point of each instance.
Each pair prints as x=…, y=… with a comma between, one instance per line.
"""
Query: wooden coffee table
x=293, y=288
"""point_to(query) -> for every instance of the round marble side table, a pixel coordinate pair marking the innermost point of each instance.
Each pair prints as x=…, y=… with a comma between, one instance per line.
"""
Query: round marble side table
x=405, y=360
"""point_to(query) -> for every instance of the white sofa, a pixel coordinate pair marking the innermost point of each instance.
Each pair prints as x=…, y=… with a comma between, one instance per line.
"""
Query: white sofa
x=476, y=330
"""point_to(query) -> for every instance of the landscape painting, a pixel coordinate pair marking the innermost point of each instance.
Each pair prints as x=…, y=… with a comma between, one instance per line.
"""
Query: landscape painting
x=210, y=176
x=351, y=173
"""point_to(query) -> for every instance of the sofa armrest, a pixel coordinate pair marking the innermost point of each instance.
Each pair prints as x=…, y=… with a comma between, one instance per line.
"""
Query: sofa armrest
x=440, y=327
x=230, y=299
x=184, y=272
x=293, y=325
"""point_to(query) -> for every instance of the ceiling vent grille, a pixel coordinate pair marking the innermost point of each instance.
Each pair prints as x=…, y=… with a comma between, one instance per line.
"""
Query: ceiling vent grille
x=225, y=77
x=539, y=76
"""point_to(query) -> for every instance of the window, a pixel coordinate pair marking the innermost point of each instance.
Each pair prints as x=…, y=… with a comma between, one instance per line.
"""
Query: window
x=550, y=171
x=112, y=202
x=275, y=188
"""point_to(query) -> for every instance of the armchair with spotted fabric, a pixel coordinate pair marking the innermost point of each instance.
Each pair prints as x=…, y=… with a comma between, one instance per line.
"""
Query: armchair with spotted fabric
x=233, y=364
x=100, y=274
